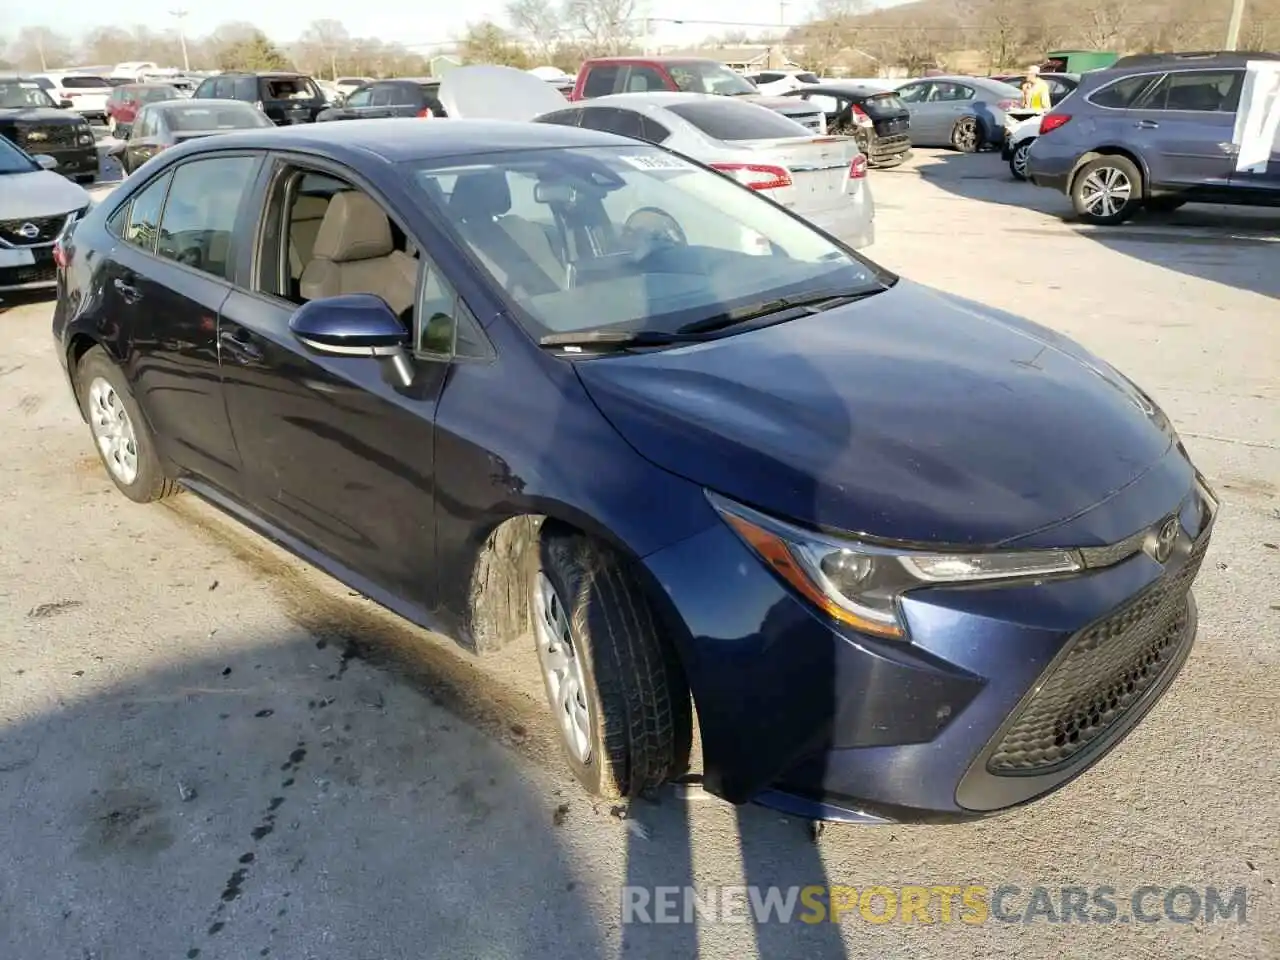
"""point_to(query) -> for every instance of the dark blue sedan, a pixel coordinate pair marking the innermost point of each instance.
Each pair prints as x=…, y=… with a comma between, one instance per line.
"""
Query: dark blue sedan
x=908, y=558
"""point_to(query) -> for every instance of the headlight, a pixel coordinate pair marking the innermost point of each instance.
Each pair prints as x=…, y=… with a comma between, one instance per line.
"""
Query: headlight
x=859, y=583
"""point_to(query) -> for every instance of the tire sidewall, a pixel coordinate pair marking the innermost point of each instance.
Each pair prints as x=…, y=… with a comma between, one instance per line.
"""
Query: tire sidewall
x=150, y=480
x=1125, y=166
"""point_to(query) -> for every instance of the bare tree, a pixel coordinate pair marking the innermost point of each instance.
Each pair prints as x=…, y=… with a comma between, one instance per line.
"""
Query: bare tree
x=330, y=38
x=601, y=26
x=107, y=45
x=1100, y=22
x=39, y=48
x=1002, y=29
x=539, y=22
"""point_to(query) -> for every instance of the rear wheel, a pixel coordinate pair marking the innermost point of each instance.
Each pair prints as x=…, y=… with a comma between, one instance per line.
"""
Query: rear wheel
x=966, y=135
x=615, y=687
x=120, y=433
x=1107, y=191
x=1018, y=161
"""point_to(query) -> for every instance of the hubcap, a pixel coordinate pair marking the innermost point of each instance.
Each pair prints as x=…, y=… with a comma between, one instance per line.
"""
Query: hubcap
x=113, y=431
x=562, y=669
x=1020, y=159
x=1105, y=191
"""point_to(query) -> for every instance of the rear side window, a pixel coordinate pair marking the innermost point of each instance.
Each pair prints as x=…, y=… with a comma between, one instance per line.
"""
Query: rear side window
x=246, y=88
x=200, y=214
x=142, y=227
x=290, y=88
x=808, y=78
x=565, y=118
x=600, y=81
x=1203, y=91
x=1122, y=93
x=83, y=83
x=642, y=80
x=731, y=121
x=383, y=96
x=624, y=123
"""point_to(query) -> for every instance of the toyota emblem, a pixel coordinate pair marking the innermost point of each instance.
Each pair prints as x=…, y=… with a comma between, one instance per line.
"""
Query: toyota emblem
x=1165, y=539
x=28, y=231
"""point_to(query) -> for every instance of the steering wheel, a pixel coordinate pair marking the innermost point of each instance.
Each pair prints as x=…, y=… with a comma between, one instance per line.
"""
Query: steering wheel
x=654, y=230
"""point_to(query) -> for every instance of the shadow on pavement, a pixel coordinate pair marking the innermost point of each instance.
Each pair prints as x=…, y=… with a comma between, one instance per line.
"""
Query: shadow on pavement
x=1236, y=246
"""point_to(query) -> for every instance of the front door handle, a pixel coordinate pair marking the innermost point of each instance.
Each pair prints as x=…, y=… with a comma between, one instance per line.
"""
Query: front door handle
x=241, y=349
x=128, y=292
x=1147, y=125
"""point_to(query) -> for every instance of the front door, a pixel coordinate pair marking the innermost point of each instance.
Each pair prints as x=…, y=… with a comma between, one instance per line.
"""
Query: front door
x=1184, y=127
x=340, y=452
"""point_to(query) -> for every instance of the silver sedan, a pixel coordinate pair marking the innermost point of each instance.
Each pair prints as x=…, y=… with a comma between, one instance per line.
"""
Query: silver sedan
x=821, y=178
x=966, y=113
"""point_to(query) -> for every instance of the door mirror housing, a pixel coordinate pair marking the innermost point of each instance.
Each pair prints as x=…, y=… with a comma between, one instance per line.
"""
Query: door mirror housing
x=45, y=162
x=351, y=325
x=65, y=104
x=116, y=149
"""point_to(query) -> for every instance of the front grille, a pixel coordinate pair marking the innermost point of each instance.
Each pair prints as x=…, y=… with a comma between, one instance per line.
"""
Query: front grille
x=1107, y=668
x=40, y=138
x=46, y=230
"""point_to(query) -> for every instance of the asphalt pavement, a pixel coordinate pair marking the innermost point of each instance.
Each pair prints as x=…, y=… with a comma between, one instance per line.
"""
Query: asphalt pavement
x=209, y=750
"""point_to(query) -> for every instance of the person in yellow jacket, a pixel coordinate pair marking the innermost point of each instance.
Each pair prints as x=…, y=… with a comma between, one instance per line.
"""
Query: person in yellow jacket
x=1035, y=92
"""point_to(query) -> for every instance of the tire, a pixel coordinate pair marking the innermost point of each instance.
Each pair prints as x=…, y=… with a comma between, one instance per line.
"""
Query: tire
x=97, y=377
x=634, y=698
x=967, y=135
x=1018, y=160
x=1095, y=191
x=1164, y=204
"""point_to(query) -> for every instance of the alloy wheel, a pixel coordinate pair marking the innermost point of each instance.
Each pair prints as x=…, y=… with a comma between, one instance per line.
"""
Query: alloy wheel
x=1105, y=192
x=965, y=137
x=562, y=669
x=1020, y=157
x=113, y=431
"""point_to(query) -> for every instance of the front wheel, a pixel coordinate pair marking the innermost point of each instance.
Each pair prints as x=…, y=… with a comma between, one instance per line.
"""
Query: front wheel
x=615, y=687
x=1107, y=191
x=1018, y=162
x=966, y=135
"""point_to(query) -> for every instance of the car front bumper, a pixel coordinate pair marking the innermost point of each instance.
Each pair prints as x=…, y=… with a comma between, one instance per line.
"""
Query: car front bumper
x=1001, y=695
x=40, y=274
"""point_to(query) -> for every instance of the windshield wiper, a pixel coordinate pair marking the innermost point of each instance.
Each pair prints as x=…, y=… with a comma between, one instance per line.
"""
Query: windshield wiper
x=621, y=339
x=815, y=303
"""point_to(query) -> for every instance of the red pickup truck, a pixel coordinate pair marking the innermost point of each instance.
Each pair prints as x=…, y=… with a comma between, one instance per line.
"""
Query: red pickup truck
x=608, y=75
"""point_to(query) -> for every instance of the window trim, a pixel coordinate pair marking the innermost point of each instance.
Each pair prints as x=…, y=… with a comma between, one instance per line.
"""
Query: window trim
x=1169, y=74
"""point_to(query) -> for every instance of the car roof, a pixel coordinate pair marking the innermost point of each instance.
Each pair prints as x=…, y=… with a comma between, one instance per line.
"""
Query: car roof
x=1212, y=58
x=657, y=59
x=651, y=98
x=257, y=73
x=845, y=89
x=397, y=140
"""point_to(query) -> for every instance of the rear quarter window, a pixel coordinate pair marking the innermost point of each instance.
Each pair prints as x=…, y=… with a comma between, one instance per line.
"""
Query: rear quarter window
x=731, y=121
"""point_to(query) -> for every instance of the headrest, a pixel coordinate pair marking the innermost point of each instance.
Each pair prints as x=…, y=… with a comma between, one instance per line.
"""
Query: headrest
x=480, y=194
x=354, y=228
x=308, y=207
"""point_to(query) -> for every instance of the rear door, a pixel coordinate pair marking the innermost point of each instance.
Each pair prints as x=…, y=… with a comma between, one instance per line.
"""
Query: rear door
x=1185, y=126
x=357, y=106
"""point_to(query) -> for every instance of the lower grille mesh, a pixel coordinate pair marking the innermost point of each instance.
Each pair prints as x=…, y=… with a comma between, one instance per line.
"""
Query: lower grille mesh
x=1109, y=666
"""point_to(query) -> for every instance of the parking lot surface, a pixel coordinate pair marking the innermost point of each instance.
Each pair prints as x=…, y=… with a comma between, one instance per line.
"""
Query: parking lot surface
x=209, y=750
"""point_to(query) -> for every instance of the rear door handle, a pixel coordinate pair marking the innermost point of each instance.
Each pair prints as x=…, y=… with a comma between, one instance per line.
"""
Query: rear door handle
x=128, y=292
x=240, y=347
x=1147, y=125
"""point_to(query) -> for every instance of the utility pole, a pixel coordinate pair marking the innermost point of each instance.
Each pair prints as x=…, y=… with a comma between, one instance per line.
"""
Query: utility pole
x=44, y=66
x=1233, y=28
x=782, y=12
x=180, y=15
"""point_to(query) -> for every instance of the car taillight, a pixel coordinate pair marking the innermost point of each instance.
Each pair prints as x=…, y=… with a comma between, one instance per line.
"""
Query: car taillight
x=861, y=118
x=757, y=176
x=1052, y=121
x=1009, y=104
x=858, y=169
x=425, y=113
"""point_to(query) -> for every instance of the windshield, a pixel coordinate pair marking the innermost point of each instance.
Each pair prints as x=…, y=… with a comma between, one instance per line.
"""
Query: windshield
x=226, y=116
x=155, y=94
x=697, y=76
x=630, y=239
x=16, y=94
x=13, y=160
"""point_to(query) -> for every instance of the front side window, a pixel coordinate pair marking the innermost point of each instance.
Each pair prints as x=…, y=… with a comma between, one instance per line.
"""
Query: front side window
x=697, y=76
x=446, y=327
x=600, y=81
x=143, y=224
x=361, y=98
x=383, y=97
x=628, y=237
x=200, y=215
x=643, y=79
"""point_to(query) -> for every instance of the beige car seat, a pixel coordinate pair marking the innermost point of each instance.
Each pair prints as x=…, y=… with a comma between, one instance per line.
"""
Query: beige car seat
x=517, y=250
x=304, y=225
x=354, y=253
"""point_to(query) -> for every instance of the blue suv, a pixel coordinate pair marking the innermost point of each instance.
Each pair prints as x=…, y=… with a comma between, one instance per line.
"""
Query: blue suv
x=1152, y=132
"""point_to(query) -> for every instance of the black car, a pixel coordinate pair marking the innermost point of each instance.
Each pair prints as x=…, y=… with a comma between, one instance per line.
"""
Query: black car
x=32, y=121
x=876, y=118
x=167, y=123
x=1061, y=85
x=907, y=556
x=389, y=98
x=286, y=98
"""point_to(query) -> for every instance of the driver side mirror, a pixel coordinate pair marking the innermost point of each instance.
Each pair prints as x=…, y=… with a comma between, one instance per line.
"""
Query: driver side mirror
x=353, y=325
x=116, y=149
x=45, y=161
x=65, y=104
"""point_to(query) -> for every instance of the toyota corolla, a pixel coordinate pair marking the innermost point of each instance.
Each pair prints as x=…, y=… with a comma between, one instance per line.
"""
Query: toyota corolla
x=908, y=557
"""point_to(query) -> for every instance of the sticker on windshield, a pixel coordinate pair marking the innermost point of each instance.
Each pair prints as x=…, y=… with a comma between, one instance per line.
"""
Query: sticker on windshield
x=655, y=161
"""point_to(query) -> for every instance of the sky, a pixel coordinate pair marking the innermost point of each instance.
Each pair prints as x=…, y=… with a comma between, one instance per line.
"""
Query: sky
x=417, y=24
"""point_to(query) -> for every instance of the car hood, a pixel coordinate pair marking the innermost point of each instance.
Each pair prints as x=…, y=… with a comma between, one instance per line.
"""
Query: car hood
x=912, y=415
x=490, y=92
x=42, y=115
x=41, y=193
